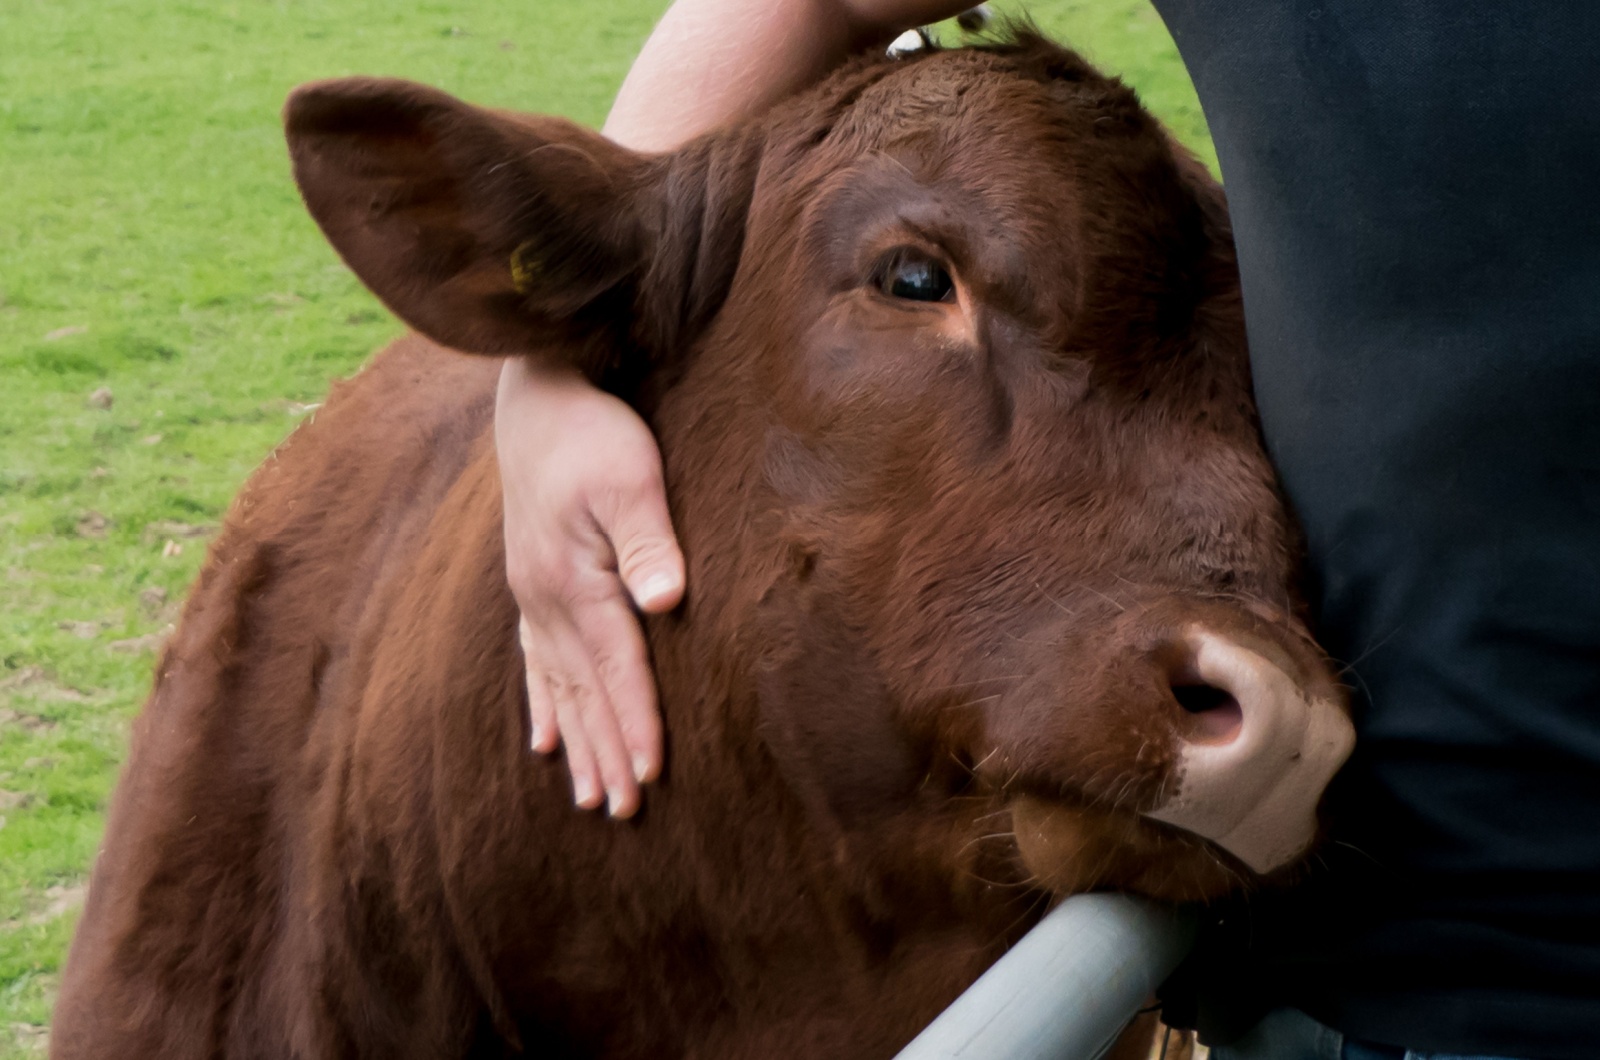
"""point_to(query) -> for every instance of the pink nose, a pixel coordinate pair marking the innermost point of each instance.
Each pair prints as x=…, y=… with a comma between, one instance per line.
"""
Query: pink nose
x=1258, y=748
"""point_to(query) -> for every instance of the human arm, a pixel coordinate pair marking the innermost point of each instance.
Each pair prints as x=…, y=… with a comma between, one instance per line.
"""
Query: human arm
x=712, y=62
x=586, y=523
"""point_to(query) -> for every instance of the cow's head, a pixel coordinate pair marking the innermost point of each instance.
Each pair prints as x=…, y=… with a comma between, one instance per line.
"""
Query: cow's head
x=947, y=364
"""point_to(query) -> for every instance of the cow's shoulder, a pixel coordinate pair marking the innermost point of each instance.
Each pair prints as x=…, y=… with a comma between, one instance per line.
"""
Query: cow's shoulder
x=232, y=755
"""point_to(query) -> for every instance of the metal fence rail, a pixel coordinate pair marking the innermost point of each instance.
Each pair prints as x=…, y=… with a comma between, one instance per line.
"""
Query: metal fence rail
x=1067, y=989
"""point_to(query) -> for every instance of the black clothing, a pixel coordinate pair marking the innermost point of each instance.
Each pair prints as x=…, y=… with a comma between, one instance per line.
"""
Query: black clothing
x=1414, y=189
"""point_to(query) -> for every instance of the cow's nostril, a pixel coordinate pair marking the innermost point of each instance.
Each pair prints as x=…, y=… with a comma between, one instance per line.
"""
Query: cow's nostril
x=1197, y=699
x=1214, y=714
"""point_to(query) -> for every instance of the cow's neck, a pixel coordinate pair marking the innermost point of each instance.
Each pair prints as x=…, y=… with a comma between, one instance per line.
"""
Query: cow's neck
x=809, y=930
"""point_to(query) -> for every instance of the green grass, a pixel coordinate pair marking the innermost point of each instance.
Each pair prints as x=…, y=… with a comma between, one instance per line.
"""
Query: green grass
x=151, y=242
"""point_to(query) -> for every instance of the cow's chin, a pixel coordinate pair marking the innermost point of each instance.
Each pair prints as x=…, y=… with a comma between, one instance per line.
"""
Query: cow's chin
x=1069, y=849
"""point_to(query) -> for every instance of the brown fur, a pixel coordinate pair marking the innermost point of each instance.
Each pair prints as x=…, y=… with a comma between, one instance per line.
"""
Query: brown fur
x=930, y=571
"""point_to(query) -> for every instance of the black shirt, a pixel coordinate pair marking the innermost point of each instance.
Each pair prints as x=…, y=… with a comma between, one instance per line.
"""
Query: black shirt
x=1415, y=188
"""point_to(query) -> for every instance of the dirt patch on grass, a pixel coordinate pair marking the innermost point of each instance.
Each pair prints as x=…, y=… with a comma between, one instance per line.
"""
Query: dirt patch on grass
x=83, y=630
x=25, y=721
x=16, y=800
x=151, y=642
x=58, y=900
x=31, y=1038
x=174, y=530
x=35, y=683
x=94, y=525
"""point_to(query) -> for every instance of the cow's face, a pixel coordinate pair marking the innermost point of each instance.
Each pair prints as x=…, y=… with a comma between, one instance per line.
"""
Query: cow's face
x=948, y=370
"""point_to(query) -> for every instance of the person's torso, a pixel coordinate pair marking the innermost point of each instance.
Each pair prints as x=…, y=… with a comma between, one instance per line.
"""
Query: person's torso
x=1414, y=190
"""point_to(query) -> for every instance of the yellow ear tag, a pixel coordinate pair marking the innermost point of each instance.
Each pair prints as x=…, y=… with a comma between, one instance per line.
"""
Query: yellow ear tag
x=525, y=267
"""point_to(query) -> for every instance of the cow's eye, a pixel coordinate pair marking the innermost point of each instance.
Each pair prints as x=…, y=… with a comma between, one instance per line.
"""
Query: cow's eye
x=913, y=275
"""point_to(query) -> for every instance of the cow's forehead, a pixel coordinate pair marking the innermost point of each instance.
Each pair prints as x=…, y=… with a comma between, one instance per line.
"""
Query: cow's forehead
x=981, y=144
x=980, y=96
x=1019, y=159
x=1020, y=127
x=920, y=95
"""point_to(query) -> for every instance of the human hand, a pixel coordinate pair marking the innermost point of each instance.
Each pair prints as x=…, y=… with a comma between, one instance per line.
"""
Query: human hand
x=586, y=529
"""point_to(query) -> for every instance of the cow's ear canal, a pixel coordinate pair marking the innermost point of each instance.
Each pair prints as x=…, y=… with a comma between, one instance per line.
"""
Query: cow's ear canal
x=489, y=232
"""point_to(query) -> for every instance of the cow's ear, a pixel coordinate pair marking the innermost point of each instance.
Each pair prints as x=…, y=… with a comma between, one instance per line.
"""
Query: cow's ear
x=489, y=232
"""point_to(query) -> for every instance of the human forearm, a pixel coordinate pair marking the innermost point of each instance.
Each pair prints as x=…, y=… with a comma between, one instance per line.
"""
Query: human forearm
x=710, y=62
x=586, y=522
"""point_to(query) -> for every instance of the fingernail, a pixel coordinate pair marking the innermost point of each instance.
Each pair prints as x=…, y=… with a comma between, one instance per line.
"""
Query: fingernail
x=536, y=737
x=583, y=792
x=641, y=768
x=656, y=588
x=611, y=803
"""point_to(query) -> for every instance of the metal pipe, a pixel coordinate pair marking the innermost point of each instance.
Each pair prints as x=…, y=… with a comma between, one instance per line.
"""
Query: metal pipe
x=1067, y=989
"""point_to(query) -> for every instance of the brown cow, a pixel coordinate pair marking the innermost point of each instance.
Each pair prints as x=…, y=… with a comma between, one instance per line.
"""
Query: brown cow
x=989, y=591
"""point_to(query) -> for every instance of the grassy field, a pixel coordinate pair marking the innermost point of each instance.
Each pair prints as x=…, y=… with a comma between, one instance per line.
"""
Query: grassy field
x=167, y=312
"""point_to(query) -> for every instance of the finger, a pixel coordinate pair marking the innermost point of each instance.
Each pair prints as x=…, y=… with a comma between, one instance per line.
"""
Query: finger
x=544, y=734
x=648, y=557
x=587, y=791
x=601, y=734
x=612, y=634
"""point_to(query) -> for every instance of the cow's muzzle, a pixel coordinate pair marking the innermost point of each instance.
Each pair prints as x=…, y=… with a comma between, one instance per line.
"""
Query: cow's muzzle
x=1262, y=746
